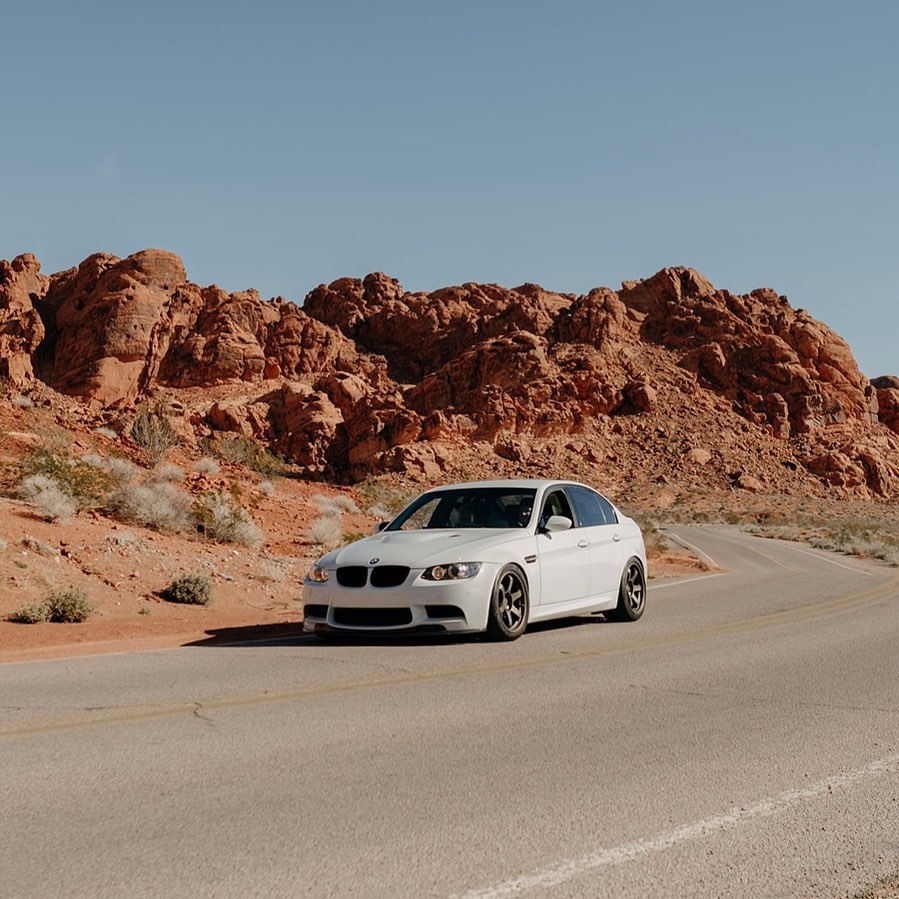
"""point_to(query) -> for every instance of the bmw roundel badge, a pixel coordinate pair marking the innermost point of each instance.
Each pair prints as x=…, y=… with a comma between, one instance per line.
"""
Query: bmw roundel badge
x=374, y=561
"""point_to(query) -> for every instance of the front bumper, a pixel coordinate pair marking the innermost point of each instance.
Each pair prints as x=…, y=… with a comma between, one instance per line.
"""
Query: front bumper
x=459, y=606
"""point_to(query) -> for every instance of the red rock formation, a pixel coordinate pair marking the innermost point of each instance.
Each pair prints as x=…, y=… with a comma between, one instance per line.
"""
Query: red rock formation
x=888, y=401
x=667, y=379
x=21, y=329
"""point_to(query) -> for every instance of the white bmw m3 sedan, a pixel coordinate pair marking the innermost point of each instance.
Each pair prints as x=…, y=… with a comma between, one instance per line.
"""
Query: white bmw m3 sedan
x=487, y=556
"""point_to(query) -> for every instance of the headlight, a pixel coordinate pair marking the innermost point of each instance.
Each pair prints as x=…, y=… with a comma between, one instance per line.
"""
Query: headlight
x=456, y=571
x=317, y=575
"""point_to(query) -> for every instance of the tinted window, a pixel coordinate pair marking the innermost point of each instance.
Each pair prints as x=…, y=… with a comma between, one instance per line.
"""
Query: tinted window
x=586, y=504
x=607, y=510
x=479, y=507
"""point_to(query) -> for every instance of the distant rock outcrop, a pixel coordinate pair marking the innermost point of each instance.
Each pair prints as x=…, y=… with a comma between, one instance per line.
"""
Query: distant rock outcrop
x=668, y=376
x=21, y=329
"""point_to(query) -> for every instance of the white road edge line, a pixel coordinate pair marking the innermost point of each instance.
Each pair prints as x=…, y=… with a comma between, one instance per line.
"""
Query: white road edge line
x=689, y=545
x=689, y=580
x=568, y=870
x=821, y=558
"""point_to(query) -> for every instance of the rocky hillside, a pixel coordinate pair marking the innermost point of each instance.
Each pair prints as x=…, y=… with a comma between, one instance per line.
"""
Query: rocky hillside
x=666, y=385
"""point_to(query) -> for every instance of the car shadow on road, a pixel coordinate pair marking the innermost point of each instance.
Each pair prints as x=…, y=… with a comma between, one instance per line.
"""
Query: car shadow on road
x=291, y=634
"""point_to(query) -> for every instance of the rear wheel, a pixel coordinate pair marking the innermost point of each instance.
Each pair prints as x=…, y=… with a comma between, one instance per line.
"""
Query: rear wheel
x=631, y=593
x=509, y=604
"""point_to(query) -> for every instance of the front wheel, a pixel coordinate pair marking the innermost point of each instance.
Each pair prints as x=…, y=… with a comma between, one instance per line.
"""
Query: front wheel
x=509, y=603
x=631, y=593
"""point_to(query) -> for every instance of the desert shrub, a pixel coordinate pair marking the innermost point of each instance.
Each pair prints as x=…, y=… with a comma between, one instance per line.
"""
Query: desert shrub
x=207, y=465
x=68, y=606
x=192, y=589
x=153, y=433
x=382, y=513
x=653, y=538
x=168, y=472
x=38, y=546
x=62, y=606
x=33, y=614
x=383, y=499
x=242, y=450
x=326, y=530
x=340, y=503
x=22, y=402
x=121, y=471
x=272, y=568
x=221, y=519
x=46, y=497
x=267, y=488
x=106, y=432
x=84, y=484
x=157, y=504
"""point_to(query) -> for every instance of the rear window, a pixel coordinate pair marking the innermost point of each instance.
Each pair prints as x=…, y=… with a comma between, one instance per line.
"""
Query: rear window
x=591, y=508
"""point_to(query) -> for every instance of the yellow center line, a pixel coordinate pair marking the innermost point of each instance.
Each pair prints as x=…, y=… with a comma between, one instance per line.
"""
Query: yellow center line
x=98, y=717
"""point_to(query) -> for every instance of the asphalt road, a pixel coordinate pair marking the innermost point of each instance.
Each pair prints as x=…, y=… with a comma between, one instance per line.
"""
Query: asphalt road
x=742, y=739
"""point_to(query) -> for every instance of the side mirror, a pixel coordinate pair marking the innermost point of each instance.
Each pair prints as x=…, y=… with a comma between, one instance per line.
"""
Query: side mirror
x=379, y=527
x=557, y=523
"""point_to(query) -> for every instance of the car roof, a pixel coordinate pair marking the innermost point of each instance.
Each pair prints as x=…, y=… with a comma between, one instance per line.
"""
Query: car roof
x=511, y=483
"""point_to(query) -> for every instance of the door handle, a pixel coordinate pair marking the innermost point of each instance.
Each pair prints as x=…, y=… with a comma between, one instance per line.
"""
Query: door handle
x=582, y=543
x=616, y=538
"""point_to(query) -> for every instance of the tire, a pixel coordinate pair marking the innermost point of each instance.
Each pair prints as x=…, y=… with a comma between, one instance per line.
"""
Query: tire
x=509, y=605
x=631, y=593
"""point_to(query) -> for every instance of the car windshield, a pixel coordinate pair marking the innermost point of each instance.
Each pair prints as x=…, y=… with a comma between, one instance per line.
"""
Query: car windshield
x=468, y=507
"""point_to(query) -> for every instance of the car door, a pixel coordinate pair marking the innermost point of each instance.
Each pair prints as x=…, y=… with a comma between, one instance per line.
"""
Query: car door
x=600, y=524
x=565, y=571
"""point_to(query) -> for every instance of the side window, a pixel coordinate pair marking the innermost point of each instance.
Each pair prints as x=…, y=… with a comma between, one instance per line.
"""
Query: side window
x=607, y=510
x=587, y=505
x=556, y=503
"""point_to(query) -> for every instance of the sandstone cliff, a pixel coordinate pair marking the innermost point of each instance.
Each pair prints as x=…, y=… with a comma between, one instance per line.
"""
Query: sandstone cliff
x=666, y=380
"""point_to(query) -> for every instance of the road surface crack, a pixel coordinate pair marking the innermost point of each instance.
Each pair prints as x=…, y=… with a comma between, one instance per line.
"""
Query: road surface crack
x=199, y=712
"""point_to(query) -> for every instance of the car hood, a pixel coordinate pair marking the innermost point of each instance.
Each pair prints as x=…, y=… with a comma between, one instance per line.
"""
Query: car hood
x=420, y=549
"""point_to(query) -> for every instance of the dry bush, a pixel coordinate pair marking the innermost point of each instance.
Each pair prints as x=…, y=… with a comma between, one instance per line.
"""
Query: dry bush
x=249, y=452
x=47, y=498
x=61, y=606
x=385, y=497
x=653, y=538
x=382, y=513
x=157, y=504
x=326, y=530
x=68, y=606
x=22, y=402
x=222, y=520
x=207, y=465
x=38, y=546
x=340, y=503
x=192, y=589
x=36, y=613
x=168, y=472
x=83, y=484
x=267, y=488
x=106, y=432
x=121, y=471
x=153, y=433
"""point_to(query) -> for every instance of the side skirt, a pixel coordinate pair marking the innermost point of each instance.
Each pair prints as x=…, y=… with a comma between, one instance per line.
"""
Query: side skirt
x=573, y=607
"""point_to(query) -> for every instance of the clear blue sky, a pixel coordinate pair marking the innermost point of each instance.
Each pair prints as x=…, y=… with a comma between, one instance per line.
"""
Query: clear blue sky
x=575, y=144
